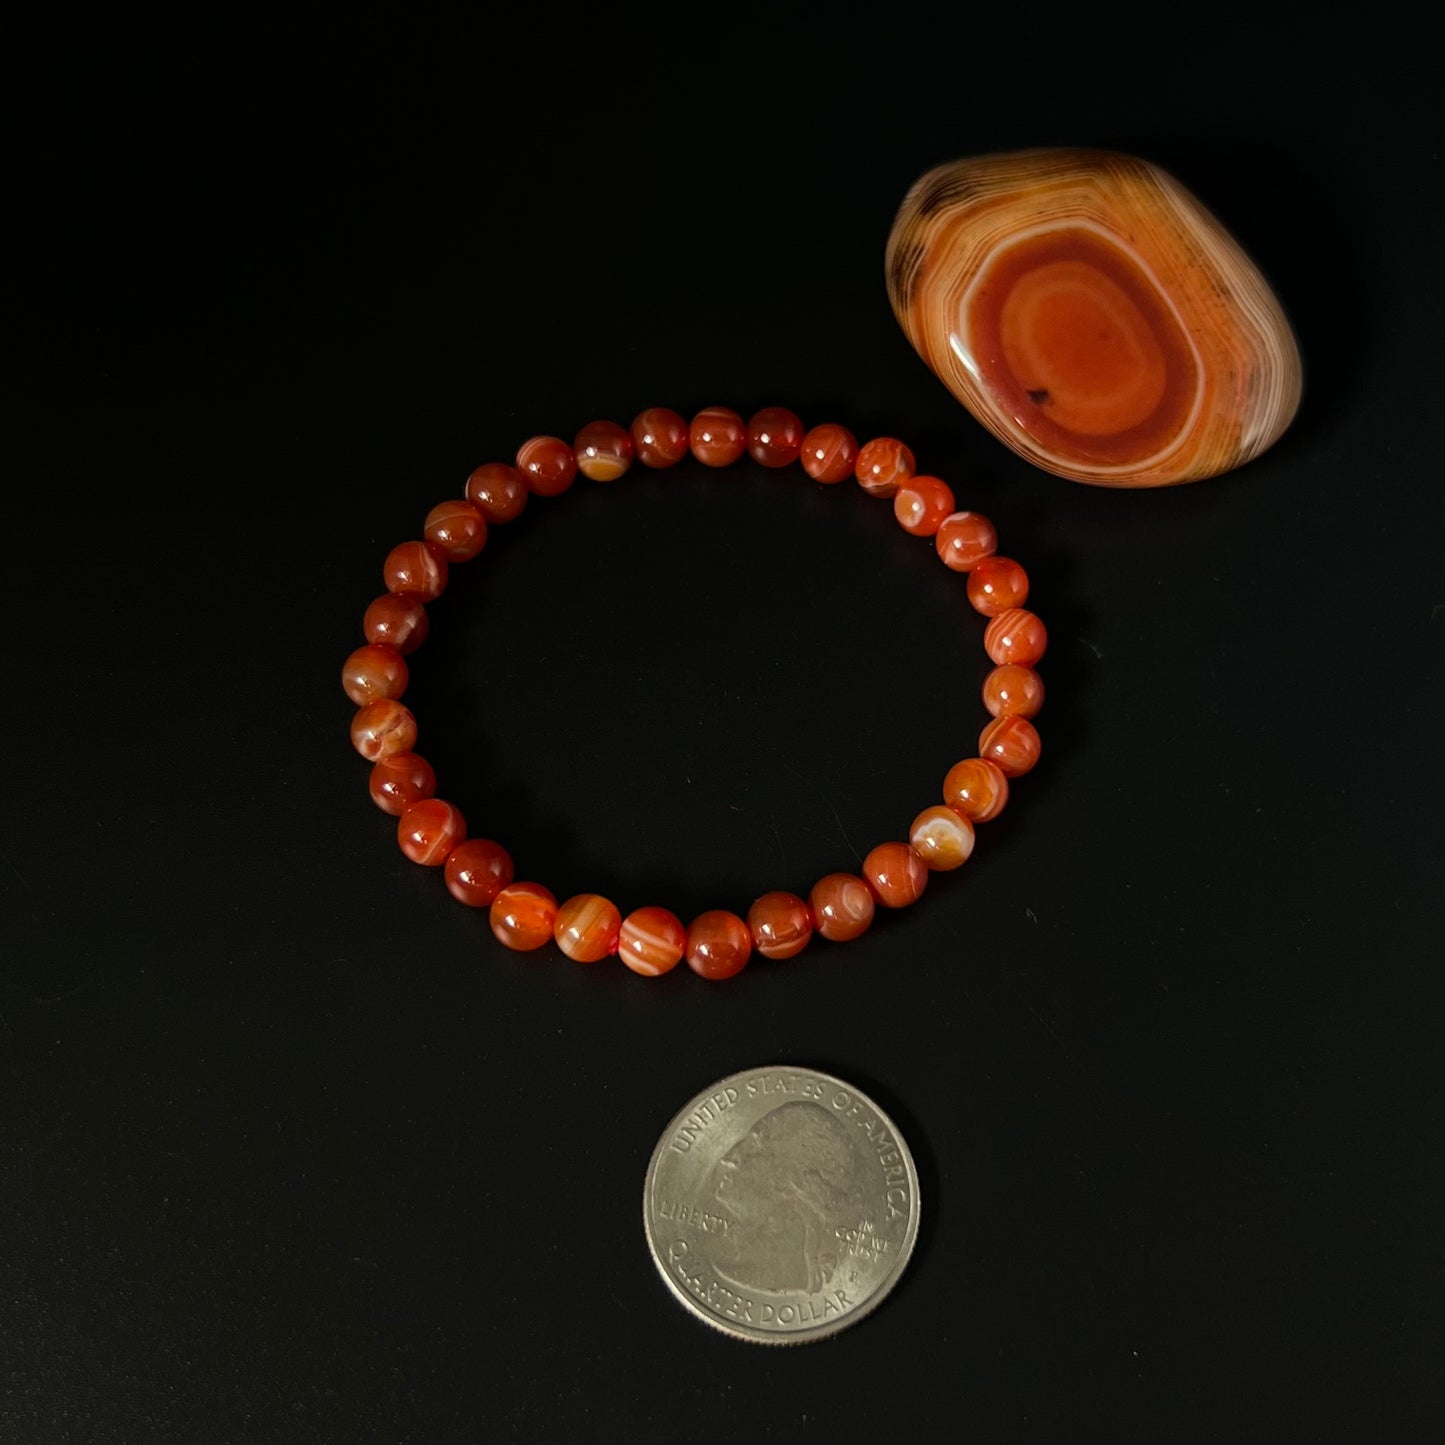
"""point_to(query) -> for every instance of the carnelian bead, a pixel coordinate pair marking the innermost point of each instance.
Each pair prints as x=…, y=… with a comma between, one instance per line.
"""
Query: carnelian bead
x=1015, y=636
x=659, y=436
x=397, y=619
x=842, y=905
x=476, y=871
x=522, y=916
x=921, y=503
x=718, y=436
x=942, y=837
x=830, y=452
x=1011, y=743
x=586, y=927
x=964, y=539
x=651, y=941
x=400, y=780
x=718, y=944
x=884, y=464
x=775, y=436
x=976, y=788
x=781, y=925
x=383, y=728
x=429, y=830
x=416, y=568
x=456, y=529
x=896, y=874
x=547, y=464
x=498, y=492
x=996, y=584
x=1013, y=691
x=374, y=671
x=603, y=451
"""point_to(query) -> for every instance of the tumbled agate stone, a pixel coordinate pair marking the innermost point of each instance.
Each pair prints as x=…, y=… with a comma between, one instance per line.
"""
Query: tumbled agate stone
x=1093, y=315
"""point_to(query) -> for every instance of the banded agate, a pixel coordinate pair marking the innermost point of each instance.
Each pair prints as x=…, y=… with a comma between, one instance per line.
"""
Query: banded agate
x=1093, y=315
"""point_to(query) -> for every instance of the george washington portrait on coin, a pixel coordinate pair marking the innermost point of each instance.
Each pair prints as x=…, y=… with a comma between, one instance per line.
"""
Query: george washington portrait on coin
x=783, y=1188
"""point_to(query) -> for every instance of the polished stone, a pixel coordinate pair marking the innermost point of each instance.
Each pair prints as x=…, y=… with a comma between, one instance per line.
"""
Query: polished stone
x=781, y=924
x=429, y=830
x=718, y=944
x=651, y=940
x=842, y=905
x=477, y=870
x=604, y=451
x=522, y=915
x=942, y=837
x=586, y=928
x=1093, y=315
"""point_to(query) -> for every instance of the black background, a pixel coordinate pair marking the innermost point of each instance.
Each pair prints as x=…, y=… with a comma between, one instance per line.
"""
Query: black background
x=292, y=1151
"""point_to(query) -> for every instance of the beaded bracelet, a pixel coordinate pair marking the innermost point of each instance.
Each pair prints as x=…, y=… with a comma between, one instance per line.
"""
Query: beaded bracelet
x=653, y=940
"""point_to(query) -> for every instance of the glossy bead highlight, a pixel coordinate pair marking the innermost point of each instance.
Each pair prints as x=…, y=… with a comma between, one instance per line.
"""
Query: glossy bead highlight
x=775, y=436
x=842, y=905
x=456, y=529
x=398, y=620
x=498, y=491
x=400, y=780
x=942, y=837
x=659, y=437
x=476, y=871
x=976, y=788
x=781, y=925
x=429, y=830
x=964, y=539
x=651, y=941
x=896, y=874
x=829, y=453
x=1012, y=744
x=883, y=465
x=522, y=916
x=1013, y=691
x=921, y=503
x=1015, y=636
x=603, y=450
x=547, y=465
x=997, y=583
x=586, y=927
x=374, y=671
x=718, y=944
x=382, y=728
x=416, y=568
x=718, y=436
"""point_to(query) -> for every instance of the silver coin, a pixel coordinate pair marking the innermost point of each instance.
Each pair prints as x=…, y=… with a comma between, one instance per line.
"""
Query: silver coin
x=781, y=1205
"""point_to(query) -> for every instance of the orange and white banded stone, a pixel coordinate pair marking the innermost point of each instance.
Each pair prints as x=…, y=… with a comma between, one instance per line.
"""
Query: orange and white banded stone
x=942, y=837
x=587, y=927
x=651, y=941
x=1093, y=315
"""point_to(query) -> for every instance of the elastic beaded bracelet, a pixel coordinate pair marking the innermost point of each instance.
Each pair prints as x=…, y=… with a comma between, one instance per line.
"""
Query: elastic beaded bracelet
x=652, y=940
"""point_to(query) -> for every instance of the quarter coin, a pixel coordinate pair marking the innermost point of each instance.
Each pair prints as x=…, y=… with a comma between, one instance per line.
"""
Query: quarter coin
x=781, y=1204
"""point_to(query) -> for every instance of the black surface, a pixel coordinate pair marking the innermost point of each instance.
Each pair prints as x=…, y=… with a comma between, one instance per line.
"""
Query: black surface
x=292, y=1151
